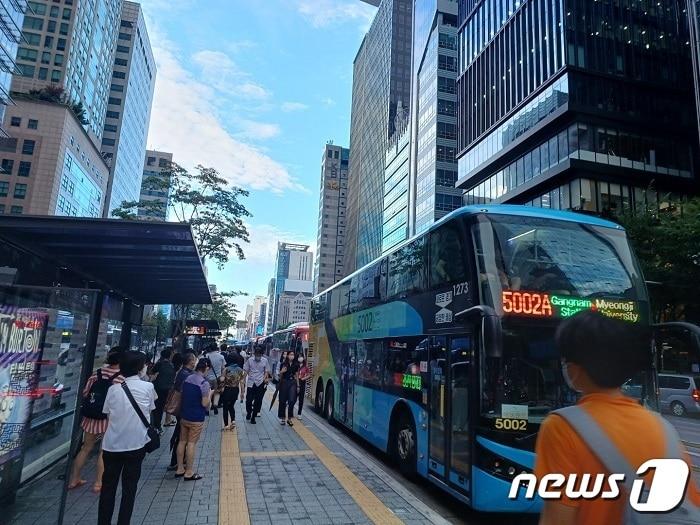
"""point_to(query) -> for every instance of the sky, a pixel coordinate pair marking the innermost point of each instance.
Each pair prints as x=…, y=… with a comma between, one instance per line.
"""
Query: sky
x=255, y=89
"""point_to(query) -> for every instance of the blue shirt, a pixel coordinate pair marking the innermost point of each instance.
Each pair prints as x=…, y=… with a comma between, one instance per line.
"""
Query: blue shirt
x=194, y=389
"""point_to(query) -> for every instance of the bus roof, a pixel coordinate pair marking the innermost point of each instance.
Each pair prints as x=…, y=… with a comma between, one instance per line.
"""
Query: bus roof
x=500, y=209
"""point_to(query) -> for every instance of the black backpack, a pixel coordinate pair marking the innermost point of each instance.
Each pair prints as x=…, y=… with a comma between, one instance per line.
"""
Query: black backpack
x=94, y=402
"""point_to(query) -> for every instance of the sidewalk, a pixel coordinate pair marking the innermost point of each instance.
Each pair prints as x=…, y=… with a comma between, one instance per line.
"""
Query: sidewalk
x=258, y=474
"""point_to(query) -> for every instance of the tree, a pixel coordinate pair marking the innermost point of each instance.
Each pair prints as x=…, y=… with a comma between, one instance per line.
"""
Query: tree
x=204, y=200
x=223, y=310
x=56, y=95
x=667, y=245
x=155, y=329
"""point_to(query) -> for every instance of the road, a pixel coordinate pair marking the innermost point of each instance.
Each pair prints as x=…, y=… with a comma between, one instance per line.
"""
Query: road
x=689, y=430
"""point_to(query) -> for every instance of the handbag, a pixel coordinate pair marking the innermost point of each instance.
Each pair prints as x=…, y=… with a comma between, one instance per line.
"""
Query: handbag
x=153, y=436
x=173, y=403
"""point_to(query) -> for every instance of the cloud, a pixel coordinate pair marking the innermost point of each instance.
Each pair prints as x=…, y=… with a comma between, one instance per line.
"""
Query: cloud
x=257, y=130
x=288, y=107
x=218, y=70
x=185, y=121
x=240, y=45
x=325, y=13
x=328, y=101
x=264, y=239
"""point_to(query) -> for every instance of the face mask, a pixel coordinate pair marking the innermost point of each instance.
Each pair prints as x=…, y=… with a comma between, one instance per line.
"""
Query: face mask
x=257, y=358
x=301, y=359
x=567, y=379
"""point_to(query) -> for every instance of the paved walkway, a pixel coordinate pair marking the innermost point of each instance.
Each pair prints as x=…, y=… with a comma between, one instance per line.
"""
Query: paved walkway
x=258, y=474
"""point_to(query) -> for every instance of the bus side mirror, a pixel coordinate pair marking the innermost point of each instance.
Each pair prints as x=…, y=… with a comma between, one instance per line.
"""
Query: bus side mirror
x=491, y=329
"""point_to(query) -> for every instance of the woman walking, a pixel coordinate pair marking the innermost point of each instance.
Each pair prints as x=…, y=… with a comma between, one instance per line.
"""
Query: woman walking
x=233, y=375
x=95, y=426
x=304, y=375
x=126, y=437
x=289, y=374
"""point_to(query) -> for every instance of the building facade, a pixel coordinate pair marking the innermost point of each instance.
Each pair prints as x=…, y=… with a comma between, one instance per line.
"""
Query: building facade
x=293, y=276
x=128, y=108
x=50, y=165
x=157, y=165
x=12, y=16
x=381, y=80
x=71, y=45
x=434, y=117
x=332, y=217
x=395, y=227
x=575, y=104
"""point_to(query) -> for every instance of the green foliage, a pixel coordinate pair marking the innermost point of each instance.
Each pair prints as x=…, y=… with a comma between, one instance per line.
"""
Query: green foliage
x=667, y=245
x=156, y=328
x=222, y=310
x=206, y=201
x=56, y=95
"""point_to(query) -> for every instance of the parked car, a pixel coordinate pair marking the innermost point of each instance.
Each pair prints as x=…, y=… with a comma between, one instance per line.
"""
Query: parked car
x=679, y=394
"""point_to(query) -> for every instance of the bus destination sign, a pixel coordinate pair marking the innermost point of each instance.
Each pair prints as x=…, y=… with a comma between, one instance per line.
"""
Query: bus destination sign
x=546, y=305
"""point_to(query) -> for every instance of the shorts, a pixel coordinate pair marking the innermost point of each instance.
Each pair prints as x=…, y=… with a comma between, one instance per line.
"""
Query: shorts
x=190, y=431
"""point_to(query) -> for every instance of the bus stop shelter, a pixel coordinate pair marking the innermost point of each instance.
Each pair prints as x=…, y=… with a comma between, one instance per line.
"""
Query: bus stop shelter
x=70, y=289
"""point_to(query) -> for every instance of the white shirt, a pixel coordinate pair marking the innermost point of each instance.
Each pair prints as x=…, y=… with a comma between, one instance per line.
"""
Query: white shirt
x=125, y=430
x=255, y=371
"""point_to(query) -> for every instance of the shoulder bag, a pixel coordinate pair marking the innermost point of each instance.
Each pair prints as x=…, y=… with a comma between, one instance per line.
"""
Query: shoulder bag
x=153, y=436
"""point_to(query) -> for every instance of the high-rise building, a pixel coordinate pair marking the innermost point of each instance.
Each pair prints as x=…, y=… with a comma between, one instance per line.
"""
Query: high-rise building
x=128, y=108
x=332, y=208
x=396, y=196
x=11, y=21
x=158, y=165
x=576, y=104
x=255, y=317
x=381, y=80
x=434, y=113
x=51, y=166
x=71, y=45
x=293, y=276
x=694, y=22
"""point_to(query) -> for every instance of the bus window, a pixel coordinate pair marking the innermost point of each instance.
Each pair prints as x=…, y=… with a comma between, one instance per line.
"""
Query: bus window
x=447, y=258
x=407, y=269
x=402, y=367
x=369, y=362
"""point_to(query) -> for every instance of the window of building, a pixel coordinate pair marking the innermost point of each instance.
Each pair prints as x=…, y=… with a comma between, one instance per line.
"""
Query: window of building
x=32, y=124
x=118, y=74
x=111, y=127
x=24, y=53
x=64, y=29
x=54, y=11
x=6, y=166
x=46, y=57
x=120, y=62
x=4, y=188
x=66, y=14
x=16, y=210
x=124, y=36
x=2, y=208
x=108, y=142
x=151, y=161
x=58, y=60
x=55, y=75
x=51, y=26
x=16, y=122
x=32, y=38
x=20, y=191
x=112, y=114
x=38, y=8
x=61, y=46
x=26, y=70
x=114, y=100
x=126, y=23
x=122, y=49
x=24, y=168
x=116, y=87
x=31, y=22
x=28, y=147
x=43, y=73
x=48, y=42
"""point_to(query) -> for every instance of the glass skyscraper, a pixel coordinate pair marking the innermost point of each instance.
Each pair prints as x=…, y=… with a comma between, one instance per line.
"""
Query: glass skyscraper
x=11, y=20
x=381, y=80
x=576, y=104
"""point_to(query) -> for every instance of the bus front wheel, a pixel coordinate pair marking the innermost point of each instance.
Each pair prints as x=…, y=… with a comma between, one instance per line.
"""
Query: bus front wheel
x=330, y=403
x=404, y=444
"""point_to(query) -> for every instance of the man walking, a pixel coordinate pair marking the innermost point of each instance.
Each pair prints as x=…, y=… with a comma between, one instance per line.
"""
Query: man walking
x=257, y=372
x=215, y=373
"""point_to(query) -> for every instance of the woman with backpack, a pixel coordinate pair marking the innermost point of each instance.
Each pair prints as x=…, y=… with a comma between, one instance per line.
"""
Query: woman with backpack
x=94, y=422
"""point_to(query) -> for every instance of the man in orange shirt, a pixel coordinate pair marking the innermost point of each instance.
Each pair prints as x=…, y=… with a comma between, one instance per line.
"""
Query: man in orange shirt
x=598, y=355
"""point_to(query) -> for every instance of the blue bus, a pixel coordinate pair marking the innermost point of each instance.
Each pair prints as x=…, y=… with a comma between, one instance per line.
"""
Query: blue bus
x=441, y=353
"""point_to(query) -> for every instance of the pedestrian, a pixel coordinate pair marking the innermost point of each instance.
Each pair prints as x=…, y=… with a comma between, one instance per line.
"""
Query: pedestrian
x=188, y=364
x=257, y=372
x=163, y=378
x=94, y=422
x=244, y=357
x=196, y=396
x=289, y=375
x=304, y=376
x=233, y=375
x=605, y=430
x=215, y=373
x=177, y=360
x=125, y=439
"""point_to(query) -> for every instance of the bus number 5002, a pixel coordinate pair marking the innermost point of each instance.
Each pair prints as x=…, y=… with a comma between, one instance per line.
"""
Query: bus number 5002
x=365, y=323
x=510, y=424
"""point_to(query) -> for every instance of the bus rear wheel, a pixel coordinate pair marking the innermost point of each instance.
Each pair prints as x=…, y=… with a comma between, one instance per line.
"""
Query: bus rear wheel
x=328, y=413
x=404, y=444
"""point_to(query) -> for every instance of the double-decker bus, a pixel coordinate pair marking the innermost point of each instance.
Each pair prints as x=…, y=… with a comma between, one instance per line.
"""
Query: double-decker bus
x=295, y=337
x=442, y=353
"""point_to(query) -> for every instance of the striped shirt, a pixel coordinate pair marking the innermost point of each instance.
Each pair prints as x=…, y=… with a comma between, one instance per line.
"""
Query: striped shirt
x=99, y=426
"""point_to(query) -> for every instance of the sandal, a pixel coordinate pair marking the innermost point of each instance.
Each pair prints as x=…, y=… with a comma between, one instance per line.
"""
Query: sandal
x=289, y=422
x=171, y=424
x=194, y=478
x=97, y=488
x=179, y=475
x=76, y=484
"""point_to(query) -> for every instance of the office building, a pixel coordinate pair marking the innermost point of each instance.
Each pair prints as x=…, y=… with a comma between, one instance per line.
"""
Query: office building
x=694, y=22
x=71, y=45
x=293, y=308
x=12, y=18
x=128, y=108
x=434, y=113
x=381, y=80
x=293, y=276
x=395, y=228
x=332, y=210
x=155, y=186
x=255, y=317
x=50, y=164
x=576, y=104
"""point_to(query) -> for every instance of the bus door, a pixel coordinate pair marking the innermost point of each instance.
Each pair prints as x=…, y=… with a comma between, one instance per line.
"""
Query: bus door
x=449, y=446
x=347, y=383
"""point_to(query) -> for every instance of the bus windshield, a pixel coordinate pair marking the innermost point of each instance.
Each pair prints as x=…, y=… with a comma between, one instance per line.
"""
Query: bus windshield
x=535, y=272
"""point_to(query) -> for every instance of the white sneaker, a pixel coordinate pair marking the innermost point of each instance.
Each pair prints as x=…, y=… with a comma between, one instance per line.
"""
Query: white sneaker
x=299, y=417
x=283, y=422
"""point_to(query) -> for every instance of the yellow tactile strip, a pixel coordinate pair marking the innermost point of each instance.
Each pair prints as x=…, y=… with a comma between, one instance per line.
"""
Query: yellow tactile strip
x=278, y=454
x=370, y=504
x=233, y=506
